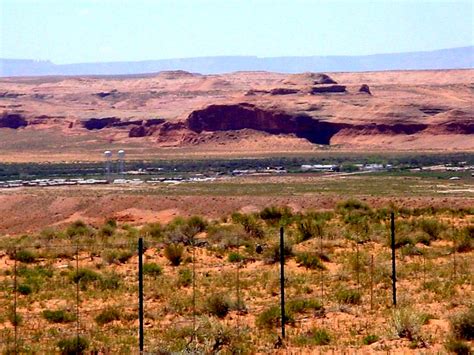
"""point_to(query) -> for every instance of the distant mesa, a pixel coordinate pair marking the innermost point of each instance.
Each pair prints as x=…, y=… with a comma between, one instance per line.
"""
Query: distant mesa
x=365, y=89
x=329, y=89
x=177, y=74
x=12, y=120
x=311, y=78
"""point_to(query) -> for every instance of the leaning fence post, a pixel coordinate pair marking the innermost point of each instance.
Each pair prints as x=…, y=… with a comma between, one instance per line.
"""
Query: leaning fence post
x=140, y=293
x=282, y=281
x=394, y=273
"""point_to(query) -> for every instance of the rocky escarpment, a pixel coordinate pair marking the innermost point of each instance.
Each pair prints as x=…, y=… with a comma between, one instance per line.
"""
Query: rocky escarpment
x=323, y=89
x=12, y=120
x=247, y=116
x=140, y=129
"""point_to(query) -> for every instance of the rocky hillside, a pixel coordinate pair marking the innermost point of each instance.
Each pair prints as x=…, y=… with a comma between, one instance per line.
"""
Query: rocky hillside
x=244, y=110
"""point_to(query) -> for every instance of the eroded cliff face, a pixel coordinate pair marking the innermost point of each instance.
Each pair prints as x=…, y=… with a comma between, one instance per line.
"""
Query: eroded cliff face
x=248, y=116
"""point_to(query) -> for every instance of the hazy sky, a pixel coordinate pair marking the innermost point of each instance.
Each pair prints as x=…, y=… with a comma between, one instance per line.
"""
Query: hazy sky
x=71, y=31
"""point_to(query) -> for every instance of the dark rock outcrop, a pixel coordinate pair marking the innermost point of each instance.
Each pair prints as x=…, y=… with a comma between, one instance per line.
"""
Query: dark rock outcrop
x=99, y=123
x=127, y=123
x=154, y=122
x=283, y=91
x=244, y=115
x=12, y=120
x=328, y=89
x=136, y=132
x=364, y=88
x=253, y=92
x=10, y=95
x=320, y=78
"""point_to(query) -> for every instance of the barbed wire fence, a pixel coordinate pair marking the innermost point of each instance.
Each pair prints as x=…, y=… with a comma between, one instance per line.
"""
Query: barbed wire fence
x=71, y=294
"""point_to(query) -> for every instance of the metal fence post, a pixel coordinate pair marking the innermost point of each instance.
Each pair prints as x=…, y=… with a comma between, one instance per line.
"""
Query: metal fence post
x=282, y=281
x=140, y=293
x=394, y=272
x=15, y=288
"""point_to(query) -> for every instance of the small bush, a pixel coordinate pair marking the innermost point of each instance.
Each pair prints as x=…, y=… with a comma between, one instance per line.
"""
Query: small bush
x=107, y=230
x=235, y=257
x=303, y=305
x=370, y=339
x=310, y=261
x=84, y=276
x=310, y=228
x=465, y=240
x=79, y=229
x=457, y=347
x=117, y=256
x=174, y=253
x=271, y=318
x=108, y=315
x=272, y=254
x=348, y=296
x=25, y=289
x=251, y=226
x=15, y=319
x=110, y=281
x=320, y=337
x=217, y=305
x=73, y=346
x=58, y=316
x=432, y=227
x=154, y=230
x=152, y=269
x=407, y=323
x=462, y=325
x=352, y=204
x=185, y=277
x=24, y=256
x=274, y=215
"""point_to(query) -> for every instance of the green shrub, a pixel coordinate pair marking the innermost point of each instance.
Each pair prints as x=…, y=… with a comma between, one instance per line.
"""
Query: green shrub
x=303, y=305
x=84, y=276
x=370, y=339
x=217, y=305
x=310, y=228
x=250, y=225
x=310, y=261
x=407, y=323
x=271, y=318
x=79, y=229
x=464, y=242
x=227, y=236
x=352, y=204
x=462, y=325
x=174, y=253
x=152, y=269
x=348, y=296
x=320, y=337
x=107, y=230
x=432, y=227
x=235, y=257
x=457, y=347
x=73, y=346
x=58, y=316
x=274, y=215
x=110, y=281
x=117, y=256
x=185, y=277
x=15, y=319
x=272, y=254
x=196, y=224
x=107, y=315
x=24, y=256
x=25, y=289
x=153, y=230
